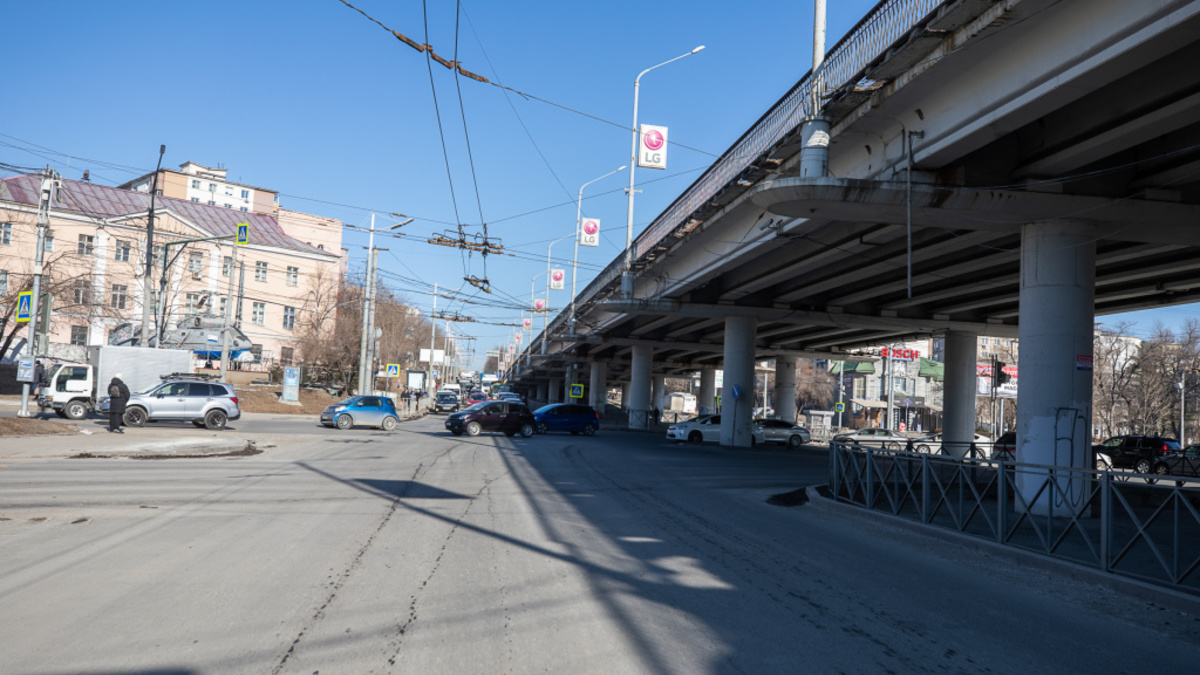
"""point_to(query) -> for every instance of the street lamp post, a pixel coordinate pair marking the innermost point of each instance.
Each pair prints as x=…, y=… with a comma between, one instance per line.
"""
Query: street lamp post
x=546, y=316
x=578, y=232
x=627, y=278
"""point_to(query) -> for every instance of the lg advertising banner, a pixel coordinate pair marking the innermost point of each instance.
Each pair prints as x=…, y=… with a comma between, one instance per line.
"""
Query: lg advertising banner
x=539, y=304
x=652, y=153
x=556, y=279
x=528, y=323
x=589, y=232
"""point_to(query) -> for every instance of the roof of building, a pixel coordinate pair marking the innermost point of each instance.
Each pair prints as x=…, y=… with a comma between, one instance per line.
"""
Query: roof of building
x=91, y=199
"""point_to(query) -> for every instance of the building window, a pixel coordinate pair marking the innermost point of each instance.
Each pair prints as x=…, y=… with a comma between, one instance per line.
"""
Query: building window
x=79, y=335
x=196, y=199
x=260, y=271
x=192, y=303
x=229, y=206
x=227, y=266
x=289, y=318
x=87, y=244
x=196, y=184
x=121, y=251
x=195, y=261
x=48, y=246
x=153, y=301
x=3, y=282
x=5, y=233
x=321, y=246
x=212, y=187
x=259, y=314
x=211, y=203
x=245, y=194
x=83, y=291
x=293, y=276
x=286, y=355
x=224, y=302
x=118, y=296
x=245, y=209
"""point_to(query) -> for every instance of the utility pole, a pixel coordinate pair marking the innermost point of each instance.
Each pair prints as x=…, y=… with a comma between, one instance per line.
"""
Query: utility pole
x=366, y=317
x=841, y=390
x=50, y=182
x=228, y=315
x=147, y=285
x=241, y=293
x=432, y=335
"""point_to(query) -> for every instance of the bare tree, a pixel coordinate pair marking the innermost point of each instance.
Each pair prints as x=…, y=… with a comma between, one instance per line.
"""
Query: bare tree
x=815, y=387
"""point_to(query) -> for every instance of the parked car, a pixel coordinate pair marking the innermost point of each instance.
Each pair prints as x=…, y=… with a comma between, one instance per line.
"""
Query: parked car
x=779, y=431
x=509, y=417
x=1005, y=447
x=572, y=417
x=508, y=396
x=706, y=428
x=1184, y=463
x=933, y=443
x=368, y=411
x=1143, y=454
x=204, y=404
x=446, y=401
x=875, y=436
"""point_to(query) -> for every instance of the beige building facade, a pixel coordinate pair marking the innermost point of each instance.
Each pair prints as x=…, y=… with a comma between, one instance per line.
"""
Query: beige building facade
x=95, y=253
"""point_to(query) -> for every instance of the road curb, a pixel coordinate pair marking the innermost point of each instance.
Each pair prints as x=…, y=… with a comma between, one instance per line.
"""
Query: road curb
x=1160, y=596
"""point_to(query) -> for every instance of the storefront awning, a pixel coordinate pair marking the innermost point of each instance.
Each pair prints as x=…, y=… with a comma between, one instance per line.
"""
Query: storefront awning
x=854, y=367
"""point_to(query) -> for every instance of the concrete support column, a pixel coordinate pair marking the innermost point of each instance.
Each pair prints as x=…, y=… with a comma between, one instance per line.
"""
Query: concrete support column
x=1057, y=310
x=639, y=386
x=598, y=386
x=736, y=421
x=660, y=392
x=543, y=391
x=785, y=388
x=958, y=421
x=625, y=395
x=706, y=400
x=556, y=390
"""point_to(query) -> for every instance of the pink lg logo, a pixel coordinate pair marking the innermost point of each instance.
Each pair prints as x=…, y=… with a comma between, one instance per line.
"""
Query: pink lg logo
x=558, y=276
x=590, y=227
x=540, y=304
x=653, y=139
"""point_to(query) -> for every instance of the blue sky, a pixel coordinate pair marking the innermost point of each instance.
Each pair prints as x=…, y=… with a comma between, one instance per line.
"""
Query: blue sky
x=310, y=98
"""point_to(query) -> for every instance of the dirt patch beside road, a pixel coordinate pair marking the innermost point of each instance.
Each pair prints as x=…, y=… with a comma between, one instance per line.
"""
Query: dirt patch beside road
x=266, y=400
x=18, y=426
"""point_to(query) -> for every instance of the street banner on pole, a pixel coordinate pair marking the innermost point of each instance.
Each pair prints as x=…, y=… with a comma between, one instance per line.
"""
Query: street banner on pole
x=528, y=324
x=539, y=304
x=652, y=151
x=589, y=232
x=557, y=278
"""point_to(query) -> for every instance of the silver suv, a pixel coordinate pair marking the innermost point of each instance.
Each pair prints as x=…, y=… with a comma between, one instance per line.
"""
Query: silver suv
x=204, y=404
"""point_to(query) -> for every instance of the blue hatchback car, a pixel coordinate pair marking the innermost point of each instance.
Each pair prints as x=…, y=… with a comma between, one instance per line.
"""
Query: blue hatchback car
x=572, y=417
x=370, y=411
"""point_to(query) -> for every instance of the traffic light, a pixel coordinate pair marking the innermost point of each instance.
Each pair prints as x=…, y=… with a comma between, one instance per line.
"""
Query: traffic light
x=1000, y=377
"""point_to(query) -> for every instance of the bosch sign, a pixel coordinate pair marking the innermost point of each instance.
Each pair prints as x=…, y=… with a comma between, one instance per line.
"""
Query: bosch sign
x=907, y=354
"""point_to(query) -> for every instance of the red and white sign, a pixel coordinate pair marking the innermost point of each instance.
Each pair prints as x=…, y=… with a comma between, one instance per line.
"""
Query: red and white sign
x=528, y=323
x=539, y=304
x=589, y=232
x=1083, y=362
x=652, y=151
x=556, y=279
x=518, y=337
x=902, y=354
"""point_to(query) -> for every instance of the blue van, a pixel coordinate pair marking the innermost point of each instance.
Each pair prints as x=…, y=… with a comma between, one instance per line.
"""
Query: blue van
x=572, y=417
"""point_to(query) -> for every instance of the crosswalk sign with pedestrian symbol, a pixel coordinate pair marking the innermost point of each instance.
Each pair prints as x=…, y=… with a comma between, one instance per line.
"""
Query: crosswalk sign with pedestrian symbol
x=243, y=234
x=24, y=306
x=393, y=370
x=577, y=391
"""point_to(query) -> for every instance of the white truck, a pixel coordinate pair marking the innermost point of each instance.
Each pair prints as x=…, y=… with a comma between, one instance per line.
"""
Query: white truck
x=75, y=389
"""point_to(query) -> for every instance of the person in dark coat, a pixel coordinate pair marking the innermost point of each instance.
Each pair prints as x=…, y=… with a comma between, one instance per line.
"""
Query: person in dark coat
x=118, y=396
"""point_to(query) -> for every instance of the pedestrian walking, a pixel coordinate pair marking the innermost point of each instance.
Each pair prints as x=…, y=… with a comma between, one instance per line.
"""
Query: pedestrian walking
x=118, y=396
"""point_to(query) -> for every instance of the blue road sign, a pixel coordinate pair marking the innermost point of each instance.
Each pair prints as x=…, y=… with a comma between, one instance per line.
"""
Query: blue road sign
x=839, y=407
x=577, y=391
x=736, y=391
x=24, y=306
x=243, y=234
x=393, y=370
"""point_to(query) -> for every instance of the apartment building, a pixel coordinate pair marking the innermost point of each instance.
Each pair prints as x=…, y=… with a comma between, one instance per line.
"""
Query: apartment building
x=205, y=185
x=95, y=252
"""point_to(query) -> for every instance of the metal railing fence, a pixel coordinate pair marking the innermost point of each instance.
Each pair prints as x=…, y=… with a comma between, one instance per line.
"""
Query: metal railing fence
x=1142, y=526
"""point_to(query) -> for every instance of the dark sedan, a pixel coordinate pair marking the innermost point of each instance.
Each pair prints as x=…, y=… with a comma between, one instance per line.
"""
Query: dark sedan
x=508, y=417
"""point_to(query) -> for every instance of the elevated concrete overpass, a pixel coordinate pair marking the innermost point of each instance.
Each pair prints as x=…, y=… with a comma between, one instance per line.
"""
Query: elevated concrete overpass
x=1008, y=168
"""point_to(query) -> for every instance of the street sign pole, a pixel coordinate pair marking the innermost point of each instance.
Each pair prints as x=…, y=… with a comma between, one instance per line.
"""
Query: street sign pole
x=50, y=181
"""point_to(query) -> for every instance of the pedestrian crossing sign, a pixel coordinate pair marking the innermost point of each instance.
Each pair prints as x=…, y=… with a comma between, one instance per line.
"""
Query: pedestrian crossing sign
x=577, y=391
x=718, y=401
x=243, y=234
x=24, y=306
x=393, y=370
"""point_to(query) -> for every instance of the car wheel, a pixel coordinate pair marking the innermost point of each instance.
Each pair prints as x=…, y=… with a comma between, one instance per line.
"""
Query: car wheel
x=923, y=448
x=344, y=421
x=473, y=428
x=1143, y=466
x=215, y=419
x=542, y=427
x=390, y=423
x=892, y=446
x=589, y=430
x=135, y=417
x=526, y=430
x=75, y=410
x=794, y=441
x=695, y=437
x=1101, y=465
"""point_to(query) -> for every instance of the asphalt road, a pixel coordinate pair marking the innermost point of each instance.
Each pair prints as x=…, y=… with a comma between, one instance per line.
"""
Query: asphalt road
x=419, y=552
